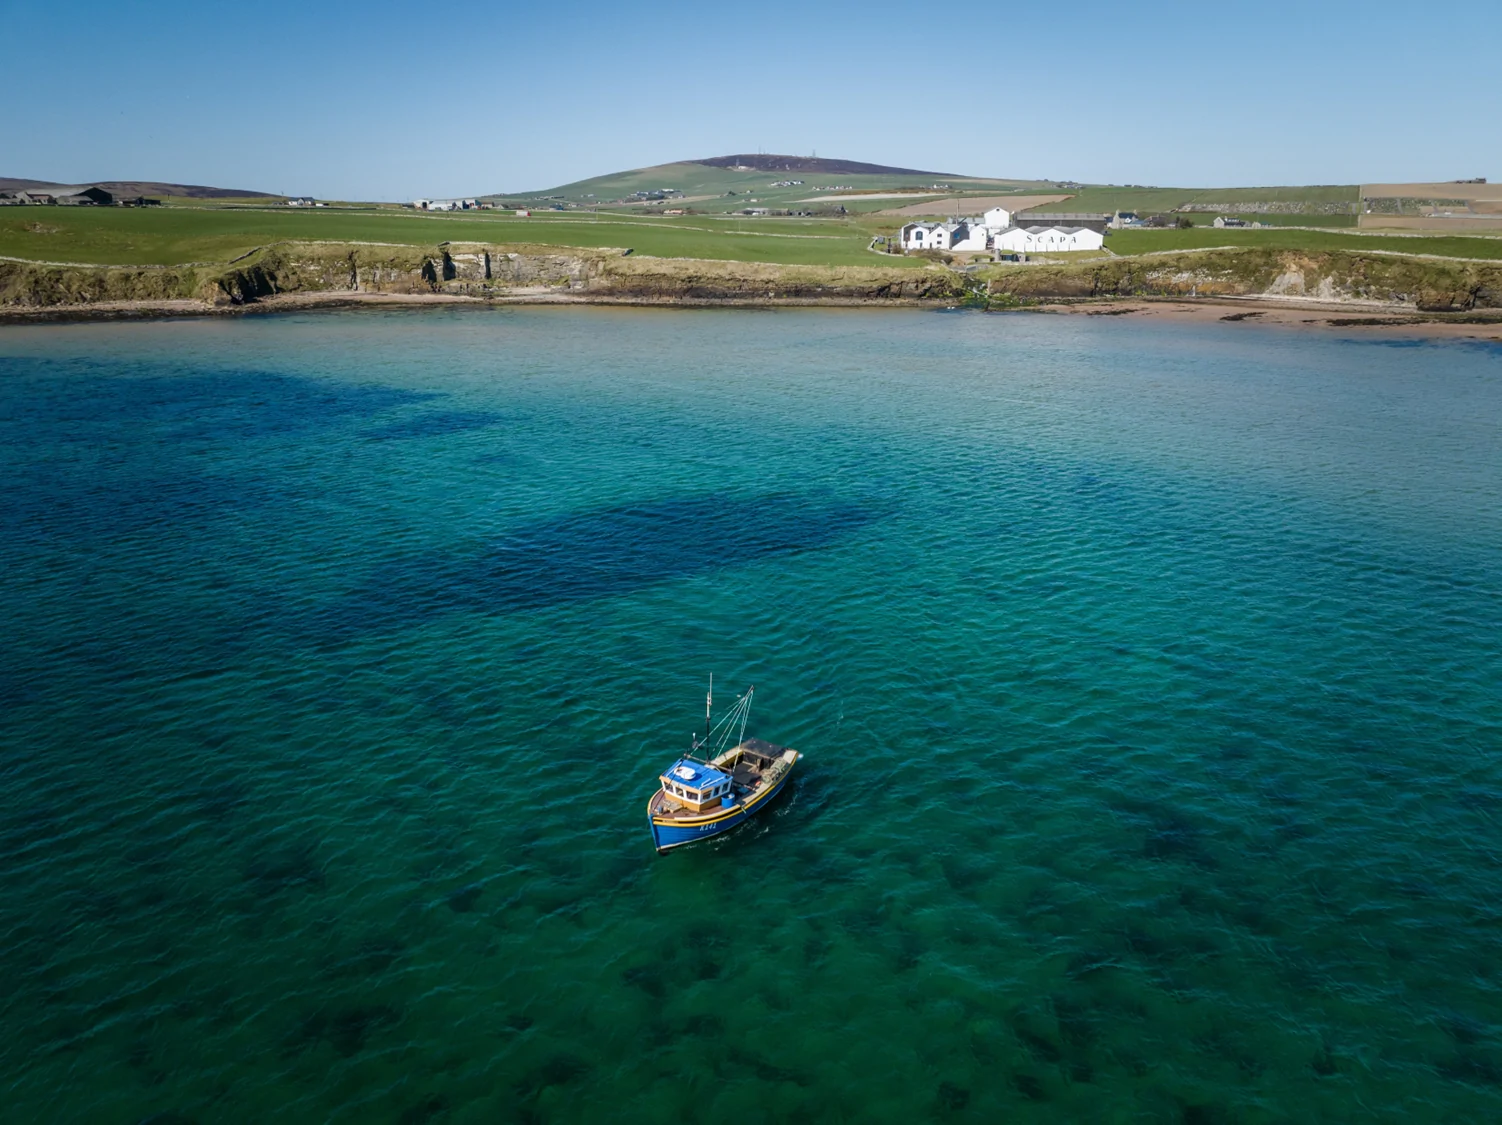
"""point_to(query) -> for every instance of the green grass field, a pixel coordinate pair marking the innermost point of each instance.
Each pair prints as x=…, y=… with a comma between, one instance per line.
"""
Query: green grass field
x=1129, y=242
x=178, y=235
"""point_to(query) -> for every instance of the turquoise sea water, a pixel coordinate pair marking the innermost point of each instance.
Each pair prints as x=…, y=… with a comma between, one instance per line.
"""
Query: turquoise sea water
x=1147, y=677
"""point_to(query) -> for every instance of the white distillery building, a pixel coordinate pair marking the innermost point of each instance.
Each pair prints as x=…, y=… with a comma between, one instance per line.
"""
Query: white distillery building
x=928, y=236
x=963, y=235
x=1043, y=240
x=444, y=204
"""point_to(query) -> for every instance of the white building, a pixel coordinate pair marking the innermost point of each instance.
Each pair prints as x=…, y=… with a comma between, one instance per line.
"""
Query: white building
x=1043, y=240
x=996, y=220
x=969, y=236
x=444, y=204
x=926, y=236
x=962, y=235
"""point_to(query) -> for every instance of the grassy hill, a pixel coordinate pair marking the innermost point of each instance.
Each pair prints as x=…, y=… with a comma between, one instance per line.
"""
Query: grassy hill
x=707, y=187
x=140, y=187
x=724, y=185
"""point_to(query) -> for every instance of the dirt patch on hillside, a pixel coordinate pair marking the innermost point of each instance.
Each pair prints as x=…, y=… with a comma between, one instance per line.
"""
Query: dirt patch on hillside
x=1432, y=191
x=975, y=204
x=846, y=196
x=1454, y=224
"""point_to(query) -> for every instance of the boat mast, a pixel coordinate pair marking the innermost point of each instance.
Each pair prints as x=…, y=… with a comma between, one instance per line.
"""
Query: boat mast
x=745, y=714
x=708, y=703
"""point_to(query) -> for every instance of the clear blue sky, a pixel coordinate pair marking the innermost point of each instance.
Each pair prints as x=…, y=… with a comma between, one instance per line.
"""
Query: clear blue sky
x=383, y=101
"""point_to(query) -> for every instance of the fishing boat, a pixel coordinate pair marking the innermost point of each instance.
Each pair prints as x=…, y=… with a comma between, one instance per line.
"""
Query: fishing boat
x=723, y=781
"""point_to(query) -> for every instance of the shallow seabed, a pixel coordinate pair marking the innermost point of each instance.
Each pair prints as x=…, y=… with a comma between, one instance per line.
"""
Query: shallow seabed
x=1147, y=675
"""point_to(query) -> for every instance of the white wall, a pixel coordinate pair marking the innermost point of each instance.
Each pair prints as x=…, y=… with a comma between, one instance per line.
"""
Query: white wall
x=915, y=236
x=973, y=238
x=997, y=219
x=1019, y=241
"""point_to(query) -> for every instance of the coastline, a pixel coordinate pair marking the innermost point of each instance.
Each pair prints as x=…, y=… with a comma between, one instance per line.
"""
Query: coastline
x=1373, y=294
x=1373, y=319
x=1365, y=318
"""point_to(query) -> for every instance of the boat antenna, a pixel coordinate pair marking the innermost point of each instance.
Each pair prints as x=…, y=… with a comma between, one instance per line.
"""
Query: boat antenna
x=708, y=703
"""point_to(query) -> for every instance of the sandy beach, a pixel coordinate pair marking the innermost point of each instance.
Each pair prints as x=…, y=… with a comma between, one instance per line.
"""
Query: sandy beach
x=1377, y=320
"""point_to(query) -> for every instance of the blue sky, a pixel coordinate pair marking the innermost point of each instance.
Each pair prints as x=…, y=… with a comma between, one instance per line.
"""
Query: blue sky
x=385, y=101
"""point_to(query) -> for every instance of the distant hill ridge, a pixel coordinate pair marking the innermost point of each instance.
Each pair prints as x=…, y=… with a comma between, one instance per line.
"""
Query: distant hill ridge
x=772, y=162
x=138, y=187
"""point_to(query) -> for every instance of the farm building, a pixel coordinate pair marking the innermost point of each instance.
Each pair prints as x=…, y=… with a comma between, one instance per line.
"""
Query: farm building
x=68, y=197
x=1042, y=240
x=85, y=197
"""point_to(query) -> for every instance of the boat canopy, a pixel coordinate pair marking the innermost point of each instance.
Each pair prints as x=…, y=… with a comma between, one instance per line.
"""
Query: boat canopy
x=694, y=775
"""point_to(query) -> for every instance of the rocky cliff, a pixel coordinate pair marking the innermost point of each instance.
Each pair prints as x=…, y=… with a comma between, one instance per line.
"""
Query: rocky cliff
x=333, y=271
x=465, y=270
x=1336, y=277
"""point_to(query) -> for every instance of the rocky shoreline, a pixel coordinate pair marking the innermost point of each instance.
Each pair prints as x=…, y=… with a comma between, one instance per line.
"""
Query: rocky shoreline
x=1376, y=293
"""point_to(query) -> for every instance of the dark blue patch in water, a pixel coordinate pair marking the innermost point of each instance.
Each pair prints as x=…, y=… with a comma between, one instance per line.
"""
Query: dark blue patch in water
x=602, y=553
x=73, y=504
x=84, y=400
x=437, y=424
x=133, y=451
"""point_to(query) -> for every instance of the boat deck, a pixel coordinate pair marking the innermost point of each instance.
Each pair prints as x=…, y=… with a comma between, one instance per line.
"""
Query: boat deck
x=747, y=765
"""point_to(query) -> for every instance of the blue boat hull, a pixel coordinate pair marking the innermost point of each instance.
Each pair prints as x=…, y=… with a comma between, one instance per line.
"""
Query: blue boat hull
x=667, y=835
